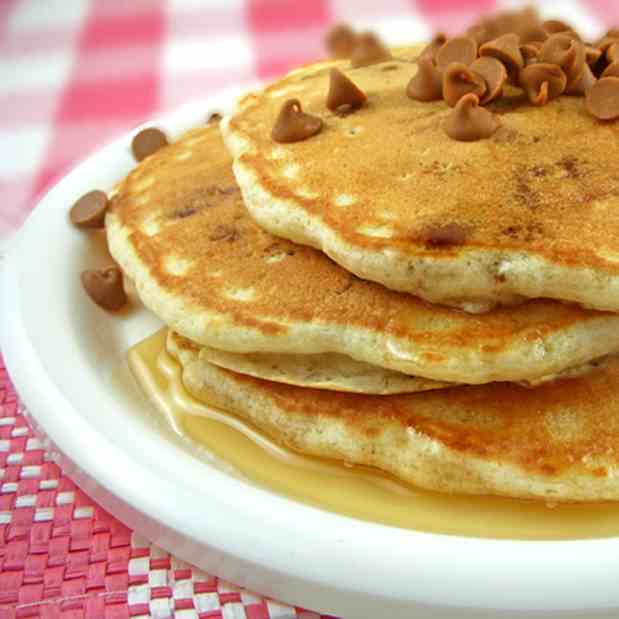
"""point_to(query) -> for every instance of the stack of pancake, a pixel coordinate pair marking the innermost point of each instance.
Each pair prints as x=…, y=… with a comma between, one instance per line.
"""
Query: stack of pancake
x=382, y=294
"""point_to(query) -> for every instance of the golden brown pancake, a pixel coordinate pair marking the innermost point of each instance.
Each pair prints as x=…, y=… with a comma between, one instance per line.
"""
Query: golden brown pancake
x=536, y=203
x=558, y=442
x=178, y=227
x=331, y=371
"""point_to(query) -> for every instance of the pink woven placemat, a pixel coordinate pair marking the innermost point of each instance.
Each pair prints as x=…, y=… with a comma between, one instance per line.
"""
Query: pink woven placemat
x=63, y=556
x=76, y=73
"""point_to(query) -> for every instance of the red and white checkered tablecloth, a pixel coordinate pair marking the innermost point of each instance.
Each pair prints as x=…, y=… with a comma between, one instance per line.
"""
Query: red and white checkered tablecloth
x=74, y=74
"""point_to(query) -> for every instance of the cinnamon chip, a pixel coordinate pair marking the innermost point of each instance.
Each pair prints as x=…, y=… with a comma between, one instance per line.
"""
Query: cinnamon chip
x=612, y=52
x=553, y=26
x=458, y=49
x=479, y=34
x=224, y=232
x=445, y=236
x=343, y=91
x=602, y=99
x=294, y=125
x=565, y=52
x=583, y=83
x=542, y=82
x=89, y=211
x=612, y=36
x=148, y=141
x=494, y=74
x=612, y=70
x=530, y=52
x=533, y=34
x=340, y=41
x=439, y=39
x=105, y=287
x=592, y=54
x=369, y=50
x=459, y=80
x=468, y=121
x=427, y=83
x=506, y=49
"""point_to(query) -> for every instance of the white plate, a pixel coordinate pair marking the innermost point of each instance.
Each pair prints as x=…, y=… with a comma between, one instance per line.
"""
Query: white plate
x=66, y=358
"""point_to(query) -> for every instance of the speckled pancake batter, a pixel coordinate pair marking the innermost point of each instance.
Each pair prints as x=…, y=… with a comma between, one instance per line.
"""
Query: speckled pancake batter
x=379, y=190
x=178, y=227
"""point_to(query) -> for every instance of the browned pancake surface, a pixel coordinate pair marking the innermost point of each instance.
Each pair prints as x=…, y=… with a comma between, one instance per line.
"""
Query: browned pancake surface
x=543, y=185
x=187, y=240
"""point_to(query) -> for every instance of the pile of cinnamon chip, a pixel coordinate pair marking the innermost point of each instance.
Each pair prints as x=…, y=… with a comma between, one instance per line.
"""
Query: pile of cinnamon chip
x=545, y=59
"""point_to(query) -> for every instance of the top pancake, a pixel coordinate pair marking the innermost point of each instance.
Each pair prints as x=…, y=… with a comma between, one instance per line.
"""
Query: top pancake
x=178, y=227
x=537, y=201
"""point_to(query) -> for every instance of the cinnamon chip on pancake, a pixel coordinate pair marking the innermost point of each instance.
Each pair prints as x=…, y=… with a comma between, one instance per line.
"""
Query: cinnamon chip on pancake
x=592, y=54
x=459, y=80
x=438, y=40
x=542, y=82
x=369, y=50
x=148, y=141
x=293, y=125
x=530, y=52
x=583, y=83
x=427, y=83
x=469, y=121
x=612, y=70
x=458, y=49
x=565, y=52
x=494, y=74
x=555, y=26
x=603, y=98
x=340, y=41
x=343, y=91
x=446, y=235
x=506, y=49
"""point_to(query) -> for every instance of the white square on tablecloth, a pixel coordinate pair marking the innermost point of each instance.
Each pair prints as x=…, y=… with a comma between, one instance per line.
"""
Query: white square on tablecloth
x=235, y=610
x=138, y=594
x=206, y=601
x=160, y=608
x=158, y=578
x=280, y=611
x=27, y=147
x=404, y=27
x=37, y=14
x=201, y=53
x=183, y=590
x=139, y=566
x=176, y=6
x=36, y=72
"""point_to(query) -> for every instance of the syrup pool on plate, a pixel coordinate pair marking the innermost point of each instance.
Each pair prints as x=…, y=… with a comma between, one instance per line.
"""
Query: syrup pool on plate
x=350, y=490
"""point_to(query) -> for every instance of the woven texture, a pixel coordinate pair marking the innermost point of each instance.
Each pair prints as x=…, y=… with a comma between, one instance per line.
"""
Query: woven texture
x=73, y=75
x=62, y=556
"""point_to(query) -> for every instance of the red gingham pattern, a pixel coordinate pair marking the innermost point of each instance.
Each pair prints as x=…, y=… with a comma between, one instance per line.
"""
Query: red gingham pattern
x=74, y=74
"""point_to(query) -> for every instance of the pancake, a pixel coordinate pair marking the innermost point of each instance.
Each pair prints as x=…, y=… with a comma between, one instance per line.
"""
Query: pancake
x=178, y=227
x=558, y=442
x=330, y=371
x=336, y=372
x=536, y=203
